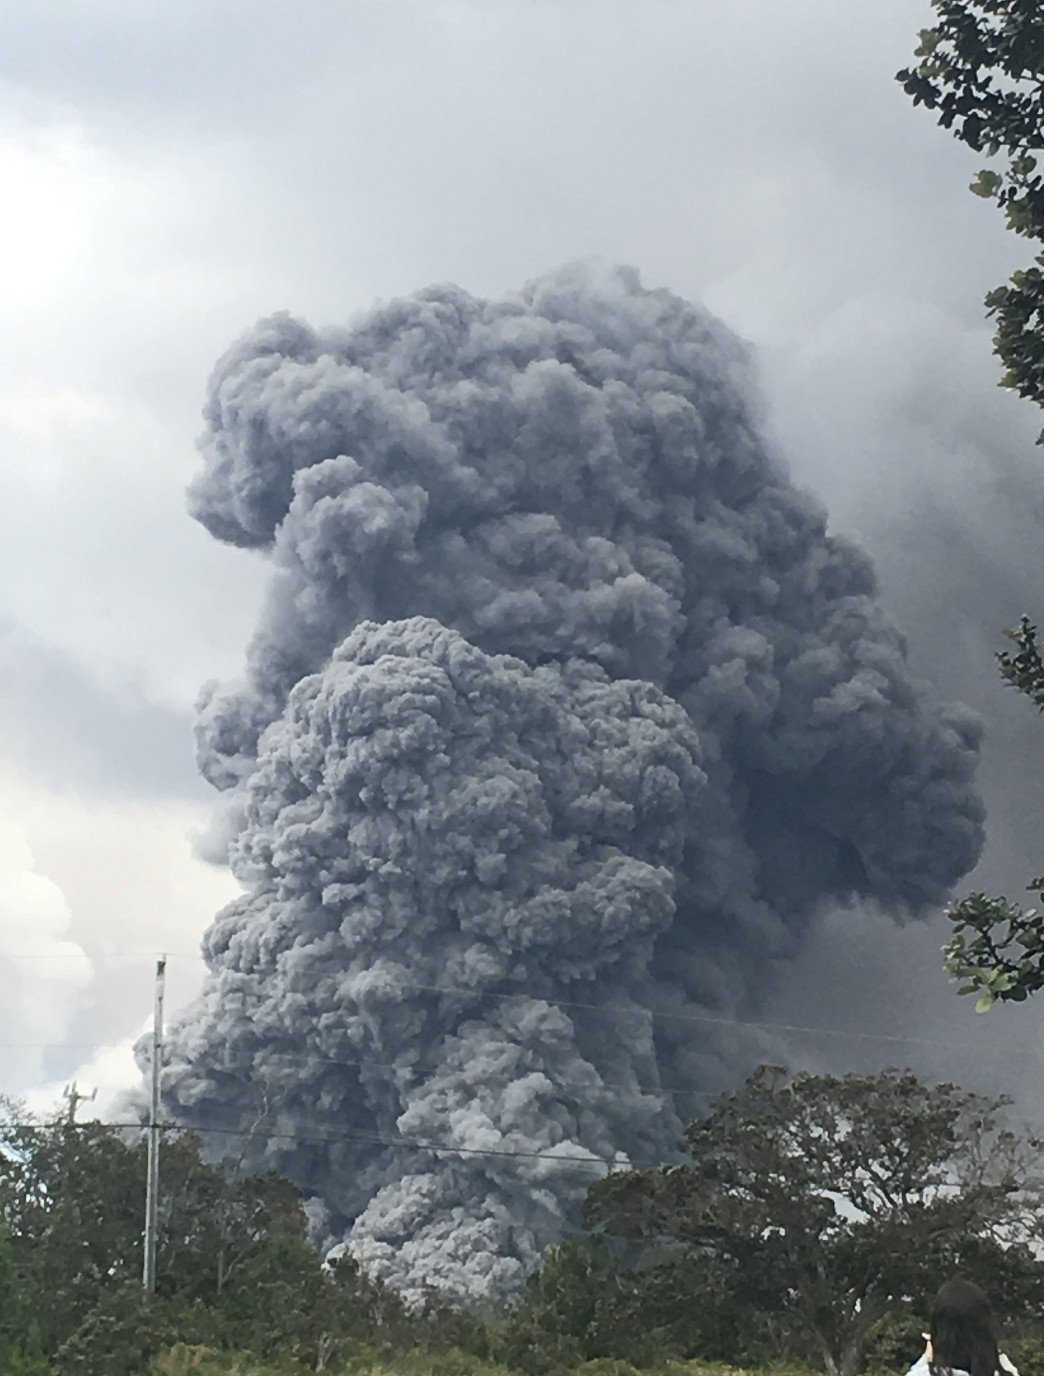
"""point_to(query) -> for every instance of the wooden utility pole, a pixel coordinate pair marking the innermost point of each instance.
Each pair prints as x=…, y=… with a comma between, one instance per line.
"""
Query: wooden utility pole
x=152, y=1182
x=74, y=1099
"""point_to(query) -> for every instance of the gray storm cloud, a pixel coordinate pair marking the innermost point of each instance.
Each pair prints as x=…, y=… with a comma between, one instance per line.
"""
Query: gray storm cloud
x=564, y=716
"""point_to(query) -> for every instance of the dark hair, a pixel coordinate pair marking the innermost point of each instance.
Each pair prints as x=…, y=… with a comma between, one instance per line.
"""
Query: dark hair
x=963, y=1334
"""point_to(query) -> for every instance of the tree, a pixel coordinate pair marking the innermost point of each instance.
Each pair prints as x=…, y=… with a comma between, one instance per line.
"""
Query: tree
x=835, y=1197
x=698, y=1303
x=997, y=949
x=216, y=1221
x=982, y=69
x=72, y=1197
x=571, y=1310
x=234, y=1265
x=20, y=1350
x=119, y=1335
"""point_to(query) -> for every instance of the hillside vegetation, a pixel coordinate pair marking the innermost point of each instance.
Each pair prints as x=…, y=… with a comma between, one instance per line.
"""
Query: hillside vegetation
x=807, y=1229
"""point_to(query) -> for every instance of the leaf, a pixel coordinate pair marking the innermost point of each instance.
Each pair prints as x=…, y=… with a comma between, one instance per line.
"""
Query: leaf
x=985, y=1002
x=930, y=40
x=986, y=184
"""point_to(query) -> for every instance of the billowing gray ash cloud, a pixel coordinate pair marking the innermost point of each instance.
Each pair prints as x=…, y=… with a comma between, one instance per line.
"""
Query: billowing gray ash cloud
x=564, y=716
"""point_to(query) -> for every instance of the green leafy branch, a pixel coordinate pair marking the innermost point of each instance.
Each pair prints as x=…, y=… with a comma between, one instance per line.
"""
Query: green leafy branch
x=997, y=950
x=981, y=68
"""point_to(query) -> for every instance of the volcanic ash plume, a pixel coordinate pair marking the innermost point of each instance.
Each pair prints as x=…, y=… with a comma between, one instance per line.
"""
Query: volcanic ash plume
x=564, y=716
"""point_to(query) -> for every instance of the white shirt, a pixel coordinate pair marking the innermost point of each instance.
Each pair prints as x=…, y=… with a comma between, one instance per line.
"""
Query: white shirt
x=921, y=1367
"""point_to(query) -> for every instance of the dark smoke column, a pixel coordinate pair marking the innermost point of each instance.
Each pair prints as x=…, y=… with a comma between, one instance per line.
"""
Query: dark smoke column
x=563, y=717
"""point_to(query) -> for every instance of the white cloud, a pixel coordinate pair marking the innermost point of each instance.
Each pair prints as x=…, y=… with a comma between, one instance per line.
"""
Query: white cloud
x=42, y=229
x=163, y=189
x=91, y=891
x=42, y=970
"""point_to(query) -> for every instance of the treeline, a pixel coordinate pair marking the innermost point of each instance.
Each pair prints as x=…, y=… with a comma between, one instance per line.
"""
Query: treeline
x=809, y=1222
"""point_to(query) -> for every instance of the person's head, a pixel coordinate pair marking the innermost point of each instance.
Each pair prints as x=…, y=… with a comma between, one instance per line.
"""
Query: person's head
x=963, y=1334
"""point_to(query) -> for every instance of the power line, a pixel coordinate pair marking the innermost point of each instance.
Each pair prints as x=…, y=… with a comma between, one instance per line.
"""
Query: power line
x=703, y=1019
x=271, y=1080
x=114, y=957
x=551, y=1079
x=283, y=1060
x=890, y=1038
x=279, y=1061
x=711, y=1019
x=372, y=1139
x=407, y=1142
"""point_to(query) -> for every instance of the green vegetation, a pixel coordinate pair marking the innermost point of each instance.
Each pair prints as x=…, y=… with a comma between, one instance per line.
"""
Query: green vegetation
x=997, y=950
x=812, y=1220
x=833, y=1200
x=981, y=68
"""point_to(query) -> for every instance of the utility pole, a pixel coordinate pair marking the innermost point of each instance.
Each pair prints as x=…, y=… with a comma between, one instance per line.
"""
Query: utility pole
x=152, y=1182
x=74, y=1099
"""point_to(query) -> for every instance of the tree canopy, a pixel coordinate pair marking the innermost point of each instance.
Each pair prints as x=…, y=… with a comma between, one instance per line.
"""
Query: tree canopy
x=981, y=68
x=834, y=1198
x=234, y=1265
x=809, y=1222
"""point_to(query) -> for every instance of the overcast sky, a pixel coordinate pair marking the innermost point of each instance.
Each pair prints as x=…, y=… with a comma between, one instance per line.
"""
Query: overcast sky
x=172, y=172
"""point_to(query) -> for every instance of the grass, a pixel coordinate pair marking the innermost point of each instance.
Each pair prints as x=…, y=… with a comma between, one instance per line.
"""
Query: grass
x=203, y=1361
